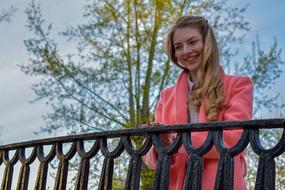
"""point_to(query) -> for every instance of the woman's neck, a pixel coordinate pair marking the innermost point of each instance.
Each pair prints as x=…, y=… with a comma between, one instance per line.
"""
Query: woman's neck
x=193, y=77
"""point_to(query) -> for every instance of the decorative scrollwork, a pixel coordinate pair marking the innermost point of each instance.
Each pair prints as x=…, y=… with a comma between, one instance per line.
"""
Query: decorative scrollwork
x=225, y=171
x=133, y=176
x=83, y=172
x=161, y=180
x=108, y=165
x=195, y=163
x=43, y=168
x=265, y=178
x=62, y=171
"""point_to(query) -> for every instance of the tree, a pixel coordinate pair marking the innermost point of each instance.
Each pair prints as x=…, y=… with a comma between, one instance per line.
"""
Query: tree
x=126, y=40
x=114, y=79
x=264, y=68
x=5, y=14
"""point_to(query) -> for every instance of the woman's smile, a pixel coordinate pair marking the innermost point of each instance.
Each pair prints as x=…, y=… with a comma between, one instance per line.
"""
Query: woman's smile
x=191, y=59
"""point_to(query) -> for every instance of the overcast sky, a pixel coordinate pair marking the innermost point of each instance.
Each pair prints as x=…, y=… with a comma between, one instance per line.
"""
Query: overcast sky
x=19, y=118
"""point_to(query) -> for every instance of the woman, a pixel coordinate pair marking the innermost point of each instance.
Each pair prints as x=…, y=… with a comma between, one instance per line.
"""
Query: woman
x=203, y=93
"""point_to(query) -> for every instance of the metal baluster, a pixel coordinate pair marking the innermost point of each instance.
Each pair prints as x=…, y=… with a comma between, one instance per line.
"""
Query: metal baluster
x=194, y=171
x=43, y=167
x=134, y=169
x=83, y=172
x=225, y=171
x=23, y=179
x=108, y=166
x=161, y=180
x=9, y=168
x=62, y=170
x=265, y=178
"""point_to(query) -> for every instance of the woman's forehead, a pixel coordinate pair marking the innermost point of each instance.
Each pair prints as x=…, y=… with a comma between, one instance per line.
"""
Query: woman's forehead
x=185, y=33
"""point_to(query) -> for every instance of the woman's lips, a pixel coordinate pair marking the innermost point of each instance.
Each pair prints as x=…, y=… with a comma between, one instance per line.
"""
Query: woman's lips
x=191, y=59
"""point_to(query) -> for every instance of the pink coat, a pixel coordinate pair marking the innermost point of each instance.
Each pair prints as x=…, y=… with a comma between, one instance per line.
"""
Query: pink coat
x=172, y=109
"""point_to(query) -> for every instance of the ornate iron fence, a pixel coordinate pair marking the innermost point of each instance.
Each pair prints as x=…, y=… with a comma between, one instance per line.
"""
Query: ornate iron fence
x=265, y=178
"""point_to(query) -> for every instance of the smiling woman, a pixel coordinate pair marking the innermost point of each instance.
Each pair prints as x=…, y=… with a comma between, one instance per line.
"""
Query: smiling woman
x=191, y=44
x=188, y=45
x=203, y=93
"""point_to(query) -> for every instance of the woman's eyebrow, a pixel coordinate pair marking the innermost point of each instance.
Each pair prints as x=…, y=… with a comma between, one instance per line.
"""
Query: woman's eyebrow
x=177, y=43
x=191, y=38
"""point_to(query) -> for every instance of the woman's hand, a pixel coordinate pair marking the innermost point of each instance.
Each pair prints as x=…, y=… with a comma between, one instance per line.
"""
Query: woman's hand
x=166, y=139
x=152, y=124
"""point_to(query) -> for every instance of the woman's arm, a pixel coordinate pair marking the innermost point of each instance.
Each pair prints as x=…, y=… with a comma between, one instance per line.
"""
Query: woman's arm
x=150, y=158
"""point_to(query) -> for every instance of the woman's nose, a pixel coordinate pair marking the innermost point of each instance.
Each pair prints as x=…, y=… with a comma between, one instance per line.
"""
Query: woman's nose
x=187, y=49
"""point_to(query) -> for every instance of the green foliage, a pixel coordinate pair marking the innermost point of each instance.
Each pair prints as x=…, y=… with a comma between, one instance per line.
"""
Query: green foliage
x=264, y=68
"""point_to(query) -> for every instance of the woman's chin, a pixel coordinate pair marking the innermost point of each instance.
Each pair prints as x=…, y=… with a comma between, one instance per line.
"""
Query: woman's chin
x=192, y=67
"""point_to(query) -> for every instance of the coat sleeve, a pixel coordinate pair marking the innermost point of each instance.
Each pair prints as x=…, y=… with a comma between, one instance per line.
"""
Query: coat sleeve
x=150, y=158
x=239, y=107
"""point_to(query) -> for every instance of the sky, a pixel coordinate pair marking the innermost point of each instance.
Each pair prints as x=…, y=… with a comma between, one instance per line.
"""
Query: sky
x=19, y=118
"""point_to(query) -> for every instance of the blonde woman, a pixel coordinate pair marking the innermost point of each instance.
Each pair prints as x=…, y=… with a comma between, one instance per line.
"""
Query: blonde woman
x=203, y=93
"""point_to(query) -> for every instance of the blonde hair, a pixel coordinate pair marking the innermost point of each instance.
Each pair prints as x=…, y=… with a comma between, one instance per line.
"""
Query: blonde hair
x=209, y=87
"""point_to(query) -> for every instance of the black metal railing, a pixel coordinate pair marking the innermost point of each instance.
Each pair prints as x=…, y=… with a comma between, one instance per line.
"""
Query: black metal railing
x=265, y=178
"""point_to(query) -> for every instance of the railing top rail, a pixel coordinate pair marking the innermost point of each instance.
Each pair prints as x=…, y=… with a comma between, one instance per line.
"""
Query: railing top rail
x=226, y=125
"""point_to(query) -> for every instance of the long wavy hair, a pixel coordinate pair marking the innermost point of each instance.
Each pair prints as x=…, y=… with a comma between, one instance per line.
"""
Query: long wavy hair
x=208, y=88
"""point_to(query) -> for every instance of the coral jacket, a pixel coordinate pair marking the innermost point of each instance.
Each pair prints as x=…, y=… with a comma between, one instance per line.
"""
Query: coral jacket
x=172, y=109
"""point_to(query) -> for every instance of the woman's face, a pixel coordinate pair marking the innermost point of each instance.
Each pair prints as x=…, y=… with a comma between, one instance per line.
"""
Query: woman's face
x=188, y=45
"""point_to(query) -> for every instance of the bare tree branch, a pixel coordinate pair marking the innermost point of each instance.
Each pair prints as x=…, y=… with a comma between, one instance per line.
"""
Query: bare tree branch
x=6, y=14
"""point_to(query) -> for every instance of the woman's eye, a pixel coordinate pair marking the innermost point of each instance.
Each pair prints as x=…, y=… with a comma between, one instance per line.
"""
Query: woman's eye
x=193, y=42
x=178, y=47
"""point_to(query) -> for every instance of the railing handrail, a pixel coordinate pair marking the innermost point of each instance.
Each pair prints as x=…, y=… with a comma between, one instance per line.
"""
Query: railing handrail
x=191, y=157
x=225, y=125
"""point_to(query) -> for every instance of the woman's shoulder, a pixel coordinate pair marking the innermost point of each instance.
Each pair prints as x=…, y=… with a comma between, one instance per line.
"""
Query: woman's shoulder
x=234, y=84
x=236, y=79
x=166, y=93
x=168, y=89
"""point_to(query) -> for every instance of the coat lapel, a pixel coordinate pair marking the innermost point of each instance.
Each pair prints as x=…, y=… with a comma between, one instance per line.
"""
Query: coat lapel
x=181, y=98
